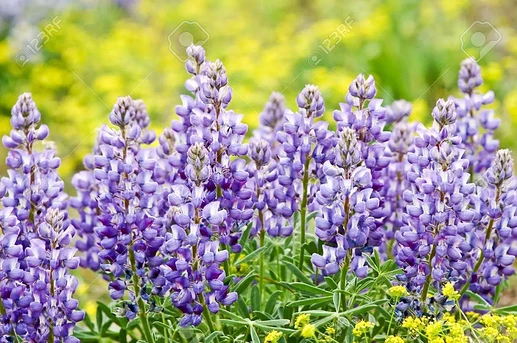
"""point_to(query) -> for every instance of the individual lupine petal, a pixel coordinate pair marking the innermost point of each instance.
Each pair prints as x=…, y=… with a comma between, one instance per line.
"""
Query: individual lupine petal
x=212, y=213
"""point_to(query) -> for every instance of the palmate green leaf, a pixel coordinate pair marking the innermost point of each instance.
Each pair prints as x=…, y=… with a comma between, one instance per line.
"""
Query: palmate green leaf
x=331, y=283
x=311, y=216
x=481, y=302
x=254, y=336
x=242, y=307
x=254, y=254
x=240, y=286
x=235, y=323
x=232, y=315
x=88, y=322
x=298, y=273
x=506, y=310
x=364, y=308
x=271, y=303
x=255, y=298
x=245, y=234
x=212, y=336
x=311, y=301
x=308, y=288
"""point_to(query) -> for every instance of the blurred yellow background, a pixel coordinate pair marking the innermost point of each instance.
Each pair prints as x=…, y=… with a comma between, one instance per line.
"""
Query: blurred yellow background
x=94, y=51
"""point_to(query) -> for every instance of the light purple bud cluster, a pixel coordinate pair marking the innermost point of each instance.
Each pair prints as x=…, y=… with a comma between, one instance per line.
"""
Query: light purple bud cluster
x=475, y=125
x=35, y=254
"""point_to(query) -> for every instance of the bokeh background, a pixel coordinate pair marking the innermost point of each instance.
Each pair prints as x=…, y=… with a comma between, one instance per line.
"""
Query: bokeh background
x=76, y=57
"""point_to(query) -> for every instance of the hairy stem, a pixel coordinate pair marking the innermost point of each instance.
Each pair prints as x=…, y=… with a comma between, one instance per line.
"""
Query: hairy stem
x=303, y=211
x=465, y=287
x=141, y=305
x=428, y=279
x=261, y=272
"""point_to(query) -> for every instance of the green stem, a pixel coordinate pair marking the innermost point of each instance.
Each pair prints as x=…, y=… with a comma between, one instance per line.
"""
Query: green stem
x=391, y=318
x=480, y=259
x=141, y=305
x=428, y=279
x=261, y=272
x=165, y=331
x=208, y=318
x=342, y=283
x=303, y=211
x=465, y=287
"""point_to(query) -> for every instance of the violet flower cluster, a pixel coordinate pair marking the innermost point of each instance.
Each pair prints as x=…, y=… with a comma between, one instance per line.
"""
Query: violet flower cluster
x=36, y=256
x=165, y=221
x=352, y=210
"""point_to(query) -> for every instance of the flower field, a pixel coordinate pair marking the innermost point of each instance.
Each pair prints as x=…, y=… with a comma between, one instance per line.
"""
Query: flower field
x=137, y=203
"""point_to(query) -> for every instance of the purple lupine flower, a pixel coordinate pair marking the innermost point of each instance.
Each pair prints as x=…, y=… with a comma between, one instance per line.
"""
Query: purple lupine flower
x=352, y=209
x=35, y=255
x=433, y=241
x=475, y=125
x=125, y=203
x=304, y=147
x=271, y=120
x=495, y=233
x=87, y=186
x=395, y=181
x=207, y=203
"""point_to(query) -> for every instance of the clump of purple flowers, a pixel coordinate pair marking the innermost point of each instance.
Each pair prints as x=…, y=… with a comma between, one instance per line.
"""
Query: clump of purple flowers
x=164, y=223
x=36, y=256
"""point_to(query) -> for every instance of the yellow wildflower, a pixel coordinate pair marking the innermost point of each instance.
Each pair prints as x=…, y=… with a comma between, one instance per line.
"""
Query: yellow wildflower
x=489, y=333
x=491, y=320
x=449, y=291
x=273, y=337
x=362, y=328
x=433, y=330
x=394, y=339
x=413, y=324
x=330, y=331
x=436, y=340
x=448, y=318
x=308, y=331
x=397, y=291
x=302, y=320
x=473, y=316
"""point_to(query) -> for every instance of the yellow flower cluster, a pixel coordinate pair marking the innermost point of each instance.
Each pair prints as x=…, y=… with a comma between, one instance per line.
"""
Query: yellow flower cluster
x=394, y=339
x=500, y=329
x=302, y=320
x=361, y=328
x=449, y=291
x=414, y=324
x=308, y=331
x=273, y=337
x=397, y=291
x=302, y=323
